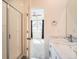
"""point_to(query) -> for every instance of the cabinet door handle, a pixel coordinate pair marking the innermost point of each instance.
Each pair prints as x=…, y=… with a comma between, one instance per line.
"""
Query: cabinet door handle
x=9, y=36
x=28, y=38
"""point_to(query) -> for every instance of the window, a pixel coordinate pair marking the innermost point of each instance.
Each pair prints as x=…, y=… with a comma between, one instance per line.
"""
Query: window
x=37, y=23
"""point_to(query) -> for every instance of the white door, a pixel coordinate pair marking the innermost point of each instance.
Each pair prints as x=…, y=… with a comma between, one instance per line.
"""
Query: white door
x=14, y=33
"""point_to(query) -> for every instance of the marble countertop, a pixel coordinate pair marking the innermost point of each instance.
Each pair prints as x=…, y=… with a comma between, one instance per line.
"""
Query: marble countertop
x=67, y=50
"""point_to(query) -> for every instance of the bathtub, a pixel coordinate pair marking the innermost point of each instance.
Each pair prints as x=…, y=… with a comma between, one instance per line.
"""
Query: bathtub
x=53, y=54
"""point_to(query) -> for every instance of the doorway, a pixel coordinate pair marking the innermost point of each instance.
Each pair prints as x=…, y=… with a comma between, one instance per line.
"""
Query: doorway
x=37, y=34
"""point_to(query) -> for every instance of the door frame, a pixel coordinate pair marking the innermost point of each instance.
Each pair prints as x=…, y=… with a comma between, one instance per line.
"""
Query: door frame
x=29, y=29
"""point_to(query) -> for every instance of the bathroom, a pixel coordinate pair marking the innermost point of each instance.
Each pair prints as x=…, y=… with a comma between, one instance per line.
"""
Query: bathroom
x=39, y=29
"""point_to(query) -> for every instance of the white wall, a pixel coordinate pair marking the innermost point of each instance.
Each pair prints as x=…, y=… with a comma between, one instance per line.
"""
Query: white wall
x=54, y=10
x=72, y=17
